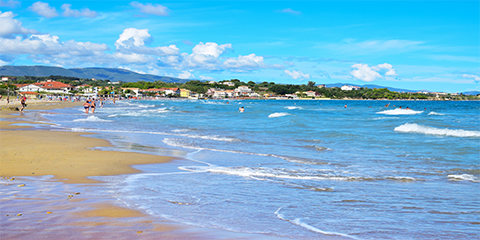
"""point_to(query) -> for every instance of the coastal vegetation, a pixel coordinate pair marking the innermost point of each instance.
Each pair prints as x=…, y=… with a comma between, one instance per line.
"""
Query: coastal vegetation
x=264, y=89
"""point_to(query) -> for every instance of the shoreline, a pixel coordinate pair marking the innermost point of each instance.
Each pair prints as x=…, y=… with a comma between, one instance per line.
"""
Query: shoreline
x=48, y=192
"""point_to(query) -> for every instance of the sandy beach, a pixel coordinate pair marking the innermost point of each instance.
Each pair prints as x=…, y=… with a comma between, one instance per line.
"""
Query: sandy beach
x=46, y=192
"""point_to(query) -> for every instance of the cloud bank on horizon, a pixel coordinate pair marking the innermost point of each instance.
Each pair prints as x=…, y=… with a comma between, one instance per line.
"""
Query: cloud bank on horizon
x=288, y=43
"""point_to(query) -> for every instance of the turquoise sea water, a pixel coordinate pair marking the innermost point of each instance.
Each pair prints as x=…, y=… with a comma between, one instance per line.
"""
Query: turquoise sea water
x=300, y=169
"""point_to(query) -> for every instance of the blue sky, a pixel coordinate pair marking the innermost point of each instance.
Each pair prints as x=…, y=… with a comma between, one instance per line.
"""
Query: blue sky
x=433, y=45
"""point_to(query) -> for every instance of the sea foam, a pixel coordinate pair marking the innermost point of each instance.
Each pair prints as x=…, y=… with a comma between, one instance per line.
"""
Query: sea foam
x=300, y=223
x=463, y=177
x=399, y=111
x=435, y=113
x=273, y=115
x=415, y=128
x=91, y=119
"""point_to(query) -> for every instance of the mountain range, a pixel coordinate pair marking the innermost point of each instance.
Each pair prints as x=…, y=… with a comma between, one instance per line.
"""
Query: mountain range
x=112, y=74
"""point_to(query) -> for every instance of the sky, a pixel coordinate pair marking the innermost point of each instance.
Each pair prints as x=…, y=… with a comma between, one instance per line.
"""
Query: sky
x=431, y=45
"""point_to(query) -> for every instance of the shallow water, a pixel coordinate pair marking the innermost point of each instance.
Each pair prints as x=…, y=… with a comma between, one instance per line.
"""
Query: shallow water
x=300, y=169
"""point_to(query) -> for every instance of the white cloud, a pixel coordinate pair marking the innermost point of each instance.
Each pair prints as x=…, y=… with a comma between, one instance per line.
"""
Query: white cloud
x=386, y=69
x=186, y=75
x=133, y=58
x=9, y=3
x=297, y=74
x=49, y=45
x=133, y=36
x=291, y=11
x=210, y=49
x=43, y=9
x=205, y=56
x=368, y=74
x=206, y=78
x=364, y=72
x=12, y=26
x=67, y=12
x=148, y=8
x=3, y=63
x=475, y=78
x=244, y=63
x=133, y=40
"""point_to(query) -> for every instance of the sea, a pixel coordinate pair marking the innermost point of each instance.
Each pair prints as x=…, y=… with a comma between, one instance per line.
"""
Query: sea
x=301, y=169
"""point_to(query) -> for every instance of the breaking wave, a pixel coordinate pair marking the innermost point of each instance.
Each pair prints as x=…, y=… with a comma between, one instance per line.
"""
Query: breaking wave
x=399, y=111
x=463, y=177
x=273, y=115
x=435, y=113
x=415, y=128
x=91, y=119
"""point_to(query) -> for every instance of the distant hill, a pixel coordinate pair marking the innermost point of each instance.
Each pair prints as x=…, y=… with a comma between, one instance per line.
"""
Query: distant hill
x=371, y=86
x=472, y=93
x=113, y=74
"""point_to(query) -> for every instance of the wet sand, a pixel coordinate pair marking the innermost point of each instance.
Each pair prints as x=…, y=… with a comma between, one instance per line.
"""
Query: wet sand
x=46, y=192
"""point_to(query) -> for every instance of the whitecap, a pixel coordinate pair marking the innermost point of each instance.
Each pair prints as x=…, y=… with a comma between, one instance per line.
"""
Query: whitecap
x=293, y=107
x=463, y=177
x=91, y=119
x=181, y=130
x=399, y=111
x=415, y=128
x=435, y=113
x=273, y=115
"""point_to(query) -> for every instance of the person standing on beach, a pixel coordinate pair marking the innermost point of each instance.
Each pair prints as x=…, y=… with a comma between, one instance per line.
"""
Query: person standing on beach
x=86, y=105
x=23, y=102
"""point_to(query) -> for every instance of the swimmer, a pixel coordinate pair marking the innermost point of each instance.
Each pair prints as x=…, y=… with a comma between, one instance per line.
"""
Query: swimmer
x=241, y=109
x=86, y=105
x=345, y=106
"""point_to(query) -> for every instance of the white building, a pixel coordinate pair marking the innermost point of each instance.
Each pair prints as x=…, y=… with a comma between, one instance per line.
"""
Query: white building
x=311, y=93
x=48, y=86
x=349, y=88
x=223, y=94
x=243, y=91
x=230, y=84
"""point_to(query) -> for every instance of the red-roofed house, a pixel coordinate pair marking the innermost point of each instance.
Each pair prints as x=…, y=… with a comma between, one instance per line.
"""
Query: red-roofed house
x=48, y=86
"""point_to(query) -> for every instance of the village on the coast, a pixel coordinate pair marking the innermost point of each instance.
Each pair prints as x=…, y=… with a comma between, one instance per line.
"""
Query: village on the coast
x=48, y=88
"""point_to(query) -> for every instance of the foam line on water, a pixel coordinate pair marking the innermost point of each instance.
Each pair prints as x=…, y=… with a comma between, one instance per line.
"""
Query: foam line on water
x=173, y=143
x=415, y=128
x=435, y=113
x=91, y=119
x=213, y=137
x=299, y=223
x=281, y=114
x=399, y=111
x=463, y=177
